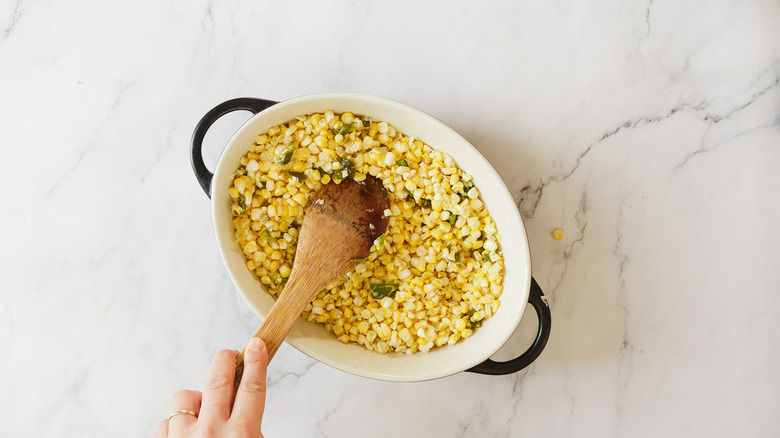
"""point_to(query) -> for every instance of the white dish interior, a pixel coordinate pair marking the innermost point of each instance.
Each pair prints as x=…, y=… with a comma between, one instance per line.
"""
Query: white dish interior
x=313, y=339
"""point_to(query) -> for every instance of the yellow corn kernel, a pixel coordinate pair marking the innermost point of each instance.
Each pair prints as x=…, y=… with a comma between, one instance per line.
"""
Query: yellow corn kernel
x=300, y=198
x=239, y=184
x=250, y=247
x=557, y=234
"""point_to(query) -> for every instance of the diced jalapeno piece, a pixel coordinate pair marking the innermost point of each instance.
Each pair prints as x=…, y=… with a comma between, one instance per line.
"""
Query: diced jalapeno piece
x=378, y=242
x=286, y=155
x=297, y=176
x=453, y=217
x=267, y=237
x=347, y=167
x=381, y=290
x=344, y=129
x=402, y=162
x=455, y=254
x=241, y=209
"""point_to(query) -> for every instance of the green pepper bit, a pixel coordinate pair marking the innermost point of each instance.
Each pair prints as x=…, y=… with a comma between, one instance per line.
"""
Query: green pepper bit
x=344, y=129
x=453, y=217
x=381, y=290
x=379, y=242
x=297, y=176
x=455, y=254
x=241, y=206
x=267, y=237
x=347, y=167
x=467, y=185
x=286, y=155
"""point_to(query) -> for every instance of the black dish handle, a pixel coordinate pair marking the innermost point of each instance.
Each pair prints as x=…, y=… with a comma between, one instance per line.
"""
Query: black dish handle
x=202, y=173
x=539, y=301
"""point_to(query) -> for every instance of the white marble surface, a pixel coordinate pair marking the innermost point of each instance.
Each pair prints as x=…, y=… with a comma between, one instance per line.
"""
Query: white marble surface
x=649, y=131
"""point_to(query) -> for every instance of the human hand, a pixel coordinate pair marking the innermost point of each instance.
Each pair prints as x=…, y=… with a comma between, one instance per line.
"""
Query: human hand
x=213, y=413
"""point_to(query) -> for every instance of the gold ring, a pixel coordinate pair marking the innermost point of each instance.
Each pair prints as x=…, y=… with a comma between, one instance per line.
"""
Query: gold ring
x=183, y=411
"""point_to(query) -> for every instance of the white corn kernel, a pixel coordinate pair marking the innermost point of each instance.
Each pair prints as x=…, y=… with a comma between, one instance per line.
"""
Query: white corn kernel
x=389, y=159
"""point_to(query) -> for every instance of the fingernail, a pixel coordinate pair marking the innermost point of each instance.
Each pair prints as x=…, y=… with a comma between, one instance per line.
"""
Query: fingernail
x=255, y=344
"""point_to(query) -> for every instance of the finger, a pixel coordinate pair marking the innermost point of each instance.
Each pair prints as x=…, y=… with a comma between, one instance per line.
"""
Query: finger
x=250, y=398
x=218, y=392
x=162, y=429
x=185, y=400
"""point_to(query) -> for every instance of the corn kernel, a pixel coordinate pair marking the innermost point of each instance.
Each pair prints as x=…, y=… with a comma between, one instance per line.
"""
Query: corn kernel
x=250, y=247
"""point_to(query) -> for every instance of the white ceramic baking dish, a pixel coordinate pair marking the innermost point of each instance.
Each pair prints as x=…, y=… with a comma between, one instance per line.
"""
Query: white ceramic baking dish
x=471, y=354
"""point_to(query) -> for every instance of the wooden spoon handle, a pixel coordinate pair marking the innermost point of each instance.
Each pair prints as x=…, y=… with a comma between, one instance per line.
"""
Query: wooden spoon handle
x=282, y=316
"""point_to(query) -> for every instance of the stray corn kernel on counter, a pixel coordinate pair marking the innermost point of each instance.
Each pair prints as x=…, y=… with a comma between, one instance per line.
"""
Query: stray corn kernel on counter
x=430, y=280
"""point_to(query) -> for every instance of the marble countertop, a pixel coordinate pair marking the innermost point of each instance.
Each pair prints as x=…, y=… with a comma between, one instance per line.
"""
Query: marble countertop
x=648, y=131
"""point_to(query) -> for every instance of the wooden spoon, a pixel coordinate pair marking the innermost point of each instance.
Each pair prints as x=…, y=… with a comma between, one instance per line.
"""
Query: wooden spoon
x=340, y=225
